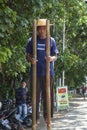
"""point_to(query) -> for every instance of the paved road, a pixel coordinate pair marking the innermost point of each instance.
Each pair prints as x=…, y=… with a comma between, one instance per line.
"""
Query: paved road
x=74, y=119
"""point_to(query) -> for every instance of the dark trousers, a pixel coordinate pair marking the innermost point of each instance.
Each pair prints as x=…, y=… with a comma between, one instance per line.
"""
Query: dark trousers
x=41, y=94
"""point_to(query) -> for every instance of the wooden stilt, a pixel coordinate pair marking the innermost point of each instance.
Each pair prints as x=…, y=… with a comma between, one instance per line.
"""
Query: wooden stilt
x=48, y=76
x=34, y=78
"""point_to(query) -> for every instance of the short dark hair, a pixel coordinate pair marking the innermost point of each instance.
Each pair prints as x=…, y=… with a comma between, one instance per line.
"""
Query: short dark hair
x=23, y=80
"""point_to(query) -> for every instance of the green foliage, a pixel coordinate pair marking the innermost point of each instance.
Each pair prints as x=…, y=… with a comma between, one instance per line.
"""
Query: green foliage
x=4, y=89
x=74, y=58
x=7, y=20
x=17, y=62
x=5, y=54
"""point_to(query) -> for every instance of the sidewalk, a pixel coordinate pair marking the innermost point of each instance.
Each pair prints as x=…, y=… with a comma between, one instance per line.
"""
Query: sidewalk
x=74, y=119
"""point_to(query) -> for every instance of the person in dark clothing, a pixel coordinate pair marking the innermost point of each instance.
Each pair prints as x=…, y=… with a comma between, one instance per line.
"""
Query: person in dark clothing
x=84, y=91
x=22, y=97
x=41, y=66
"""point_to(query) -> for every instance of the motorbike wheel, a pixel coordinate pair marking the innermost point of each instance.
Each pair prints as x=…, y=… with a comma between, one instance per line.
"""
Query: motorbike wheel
x=28, y=122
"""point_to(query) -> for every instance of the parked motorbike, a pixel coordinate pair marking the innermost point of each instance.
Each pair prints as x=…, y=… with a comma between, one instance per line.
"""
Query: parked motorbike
x=7, y=118
x=6, y=122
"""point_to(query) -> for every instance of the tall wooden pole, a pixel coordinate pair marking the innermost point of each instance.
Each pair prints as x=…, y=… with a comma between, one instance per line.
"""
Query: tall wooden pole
x=48, y=75
x=34, y=78
x=63, y=74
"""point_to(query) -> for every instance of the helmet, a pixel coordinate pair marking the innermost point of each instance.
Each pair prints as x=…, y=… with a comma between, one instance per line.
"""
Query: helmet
x=41, y=22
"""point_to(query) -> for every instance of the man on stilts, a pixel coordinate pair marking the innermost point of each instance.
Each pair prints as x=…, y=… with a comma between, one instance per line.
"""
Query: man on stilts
x=41, y=65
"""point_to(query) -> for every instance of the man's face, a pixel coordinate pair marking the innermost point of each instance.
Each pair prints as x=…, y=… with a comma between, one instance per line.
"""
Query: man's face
x=23, y=84
x=42, y=32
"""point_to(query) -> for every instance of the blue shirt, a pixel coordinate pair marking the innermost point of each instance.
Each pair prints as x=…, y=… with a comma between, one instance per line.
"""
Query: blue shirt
x=41, y=55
